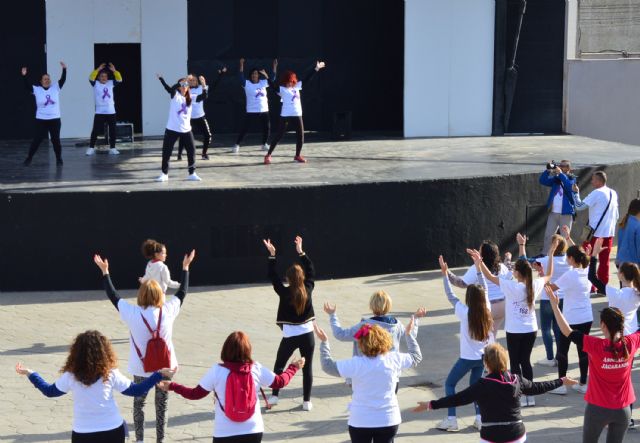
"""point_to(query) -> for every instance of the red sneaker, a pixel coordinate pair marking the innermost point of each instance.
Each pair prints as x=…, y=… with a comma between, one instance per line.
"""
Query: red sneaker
x=267, y=159
x=299, y=159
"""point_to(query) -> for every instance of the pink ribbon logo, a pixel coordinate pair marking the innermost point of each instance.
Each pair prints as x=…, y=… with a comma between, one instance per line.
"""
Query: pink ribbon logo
x=295, y=95
x=105, y=93
x=49, y=101
x=183, y=108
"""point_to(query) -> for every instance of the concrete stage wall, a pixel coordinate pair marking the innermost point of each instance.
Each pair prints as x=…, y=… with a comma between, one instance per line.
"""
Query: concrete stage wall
x=348, y=230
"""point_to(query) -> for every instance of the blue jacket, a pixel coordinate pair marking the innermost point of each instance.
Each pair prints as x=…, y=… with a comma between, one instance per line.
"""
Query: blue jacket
x=568, y=202
x=629, y=242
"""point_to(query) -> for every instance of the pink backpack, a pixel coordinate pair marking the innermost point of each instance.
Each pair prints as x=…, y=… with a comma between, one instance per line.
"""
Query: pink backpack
x=157, y=355
x=240, y=392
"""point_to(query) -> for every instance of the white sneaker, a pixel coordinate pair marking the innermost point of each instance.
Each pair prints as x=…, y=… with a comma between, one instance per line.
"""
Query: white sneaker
x=235, y=149
x=90, y=151
x=523, y=401
x=194, y=178
x=448, y=424
x=114, y=151
x=477, y=423
x=551, y=363
x=163, y=178
x=265, y=147
x=307, y=406
x=580, y=388
x=531, y=401
x=560, y=390
x=273, y=400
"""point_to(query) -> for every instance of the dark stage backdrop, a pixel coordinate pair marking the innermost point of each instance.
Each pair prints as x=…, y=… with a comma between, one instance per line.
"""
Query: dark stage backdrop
x=22, y=43
x=362, y=42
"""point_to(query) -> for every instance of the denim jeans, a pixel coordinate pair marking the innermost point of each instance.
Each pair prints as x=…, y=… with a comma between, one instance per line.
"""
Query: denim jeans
x=547, y=320
x=459, y=370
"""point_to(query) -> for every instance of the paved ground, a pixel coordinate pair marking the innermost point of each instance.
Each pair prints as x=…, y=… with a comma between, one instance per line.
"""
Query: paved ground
x=36, y=328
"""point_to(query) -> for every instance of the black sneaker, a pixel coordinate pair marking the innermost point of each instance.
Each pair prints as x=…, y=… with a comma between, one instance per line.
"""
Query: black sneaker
x=178, y=158
x=27, y=161
x=59, y=162
x=632, y=423
x=205, y=157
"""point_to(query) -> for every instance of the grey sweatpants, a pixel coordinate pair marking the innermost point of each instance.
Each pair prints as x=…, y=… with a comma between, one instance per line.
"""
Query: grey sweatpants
x=555, y=221
x=596, y=418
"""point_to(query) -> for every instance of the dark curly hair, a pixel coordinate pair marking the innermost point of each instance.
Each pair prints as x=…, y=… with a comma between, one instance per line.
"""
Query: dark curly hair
x=91, y=357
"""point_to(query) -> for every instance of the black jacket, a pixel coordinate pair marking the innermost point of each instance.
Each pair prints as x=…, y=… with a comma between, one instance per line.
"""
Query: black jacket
x=286, y=312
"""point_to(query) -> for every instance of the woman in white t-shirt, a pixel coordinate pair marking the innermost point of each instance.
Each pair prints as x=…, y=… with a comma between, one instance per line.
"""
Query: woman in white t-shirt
x=178, y=128
x=105, y=105
x=158, y=313
x=291, y=112
x=251, y=376
x=91, y=374
x=374, y=413
x=521, y=323
x=576, y=288
x=476, y=333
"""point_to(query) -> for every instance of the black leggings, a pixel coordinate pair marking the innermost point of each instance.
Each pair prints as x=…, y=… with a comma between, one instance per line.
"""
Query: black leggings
x=42, y=128
x=170, y=138
x=563, y=353
x=375, y=435
x=262, y=118
x=116, y=435
x=203, y=126
x=98, y=123
x=283, y=123
x=306, y=343
x=520, y=347
x=244, y=438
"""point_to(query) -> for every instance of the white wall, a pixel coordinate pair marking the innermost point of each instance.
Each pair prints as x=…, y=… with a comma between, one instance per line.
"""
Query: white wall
x=73, y=27
x=448, y=85
x=603, y=99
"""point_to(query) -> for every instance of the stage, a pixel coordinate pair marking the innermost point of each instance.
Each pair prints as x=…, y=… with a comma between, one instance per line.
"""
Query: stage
x=365, y=206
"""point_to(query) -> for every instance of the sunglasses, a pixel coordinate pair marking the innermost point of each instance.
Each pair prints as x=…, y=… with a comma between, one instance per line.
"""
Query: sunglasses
x=184, y=84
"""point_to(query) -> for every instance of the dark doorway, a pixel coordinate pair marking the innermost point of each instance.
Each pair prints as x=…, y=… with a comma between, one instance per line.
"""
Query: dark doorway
x=128, y=95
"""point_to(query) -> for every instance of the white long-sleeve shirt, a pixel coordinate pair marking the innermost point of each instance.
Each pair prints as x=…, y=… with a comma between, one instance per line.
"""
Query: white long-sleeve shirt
x=158, y=271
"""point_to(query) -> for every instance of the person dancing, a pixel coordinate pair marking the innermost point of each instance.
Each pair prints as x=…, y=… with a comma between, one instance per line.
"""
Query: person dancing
x=105, y=105
x=291, y=112
x=47, y=95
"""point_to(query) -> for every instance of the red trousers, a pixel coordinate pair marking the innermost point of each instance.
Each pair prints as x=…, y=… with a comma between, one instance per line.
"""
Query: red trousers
x=603, y=259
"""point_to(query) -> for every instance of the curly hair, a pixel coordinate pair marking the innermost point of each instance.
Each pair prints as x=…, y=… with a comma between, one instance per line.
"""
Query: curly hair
x=288, y=77
x=91, y=357
x=376, y=342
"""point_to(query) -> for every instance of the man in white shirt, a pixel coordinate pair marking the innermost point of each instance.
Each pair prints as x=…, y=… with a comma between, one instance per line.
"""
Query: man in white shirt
x=602, y=203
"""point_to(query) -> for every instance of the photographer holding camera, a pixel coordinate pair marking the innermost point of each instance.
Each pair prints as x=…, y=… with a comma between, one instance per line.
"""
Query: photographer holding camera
x=561, y=202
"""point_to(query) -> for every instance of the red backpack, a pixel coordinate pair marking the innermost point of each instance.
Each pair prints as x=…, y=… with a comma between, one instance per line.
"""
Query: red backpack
x=240, y=392
x=157, y=355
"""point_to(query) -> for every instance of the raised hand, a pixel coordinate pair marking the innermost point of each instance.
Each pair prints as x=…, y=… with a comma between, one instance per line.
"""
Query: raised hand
x=521, y=239
x=202, y=80
x=443, y=265
x=298, y=242
x=112, y=68
x=242, y=61
x=320, y=65
x=422, y=406
x=409, y=327
x=588, y=250
x=23, y=71
x=270, y=247
x=597, y=247
x=102, y=264
x=299, y=363
x=263, y=72
x=275, y=64
x=22, y=370
x=420, y=312
x=223, y=70
x=188, y=258
x=553, y=298
x=159, y=76
x=63, y=65
x=475, y=255
x=322, y=336
x=329, y=308
x=566, y=232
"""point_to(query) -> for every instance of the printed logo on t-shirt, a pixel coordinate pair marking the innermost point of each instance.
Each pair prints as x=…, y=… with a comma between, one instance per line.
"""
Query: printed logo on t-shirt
x=260, y=92
x=49, y=100
x=521, y=309
x=615, y=363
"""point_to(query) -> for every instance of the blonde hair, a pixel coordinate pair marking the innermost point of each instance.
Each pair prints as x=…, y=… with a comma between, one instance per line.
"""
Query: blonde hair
x=377, y=341
x=561, y=249
x=495, y=358
x=150, y=294
x=380, y=303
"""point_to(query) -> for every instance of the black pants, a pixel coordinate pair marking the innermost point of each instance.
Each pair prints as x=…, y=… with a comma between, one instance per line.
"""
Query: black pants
x=262, y=118
x=375, y=435
x=244, y=438
x=520, y=347
x=306, y=343
x=563, y=353
x=203, y=126
x=283, y=123
x=116, y=435
x=170, y=138
x=98, y=123
x=52, y=127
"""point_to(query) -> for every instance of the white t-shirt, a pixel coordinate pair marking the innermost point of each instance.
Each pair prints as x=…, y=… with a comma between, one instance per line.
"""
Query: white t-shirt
x=374, y=402
x=627, y=300
x=257, y=96
x=470, y=349
x=103, y=94
x=216, y=380
x=295, y=330
x=290, y=98
x=495, y=293
x=198, y=106
x=597, y=202
x=519, y=316
x=130, y=314
x=47, y=101
x=158, y=271
x=94, y=407
x=560, y=266
x=179, y=114
x=576, y=287
x=556, y=204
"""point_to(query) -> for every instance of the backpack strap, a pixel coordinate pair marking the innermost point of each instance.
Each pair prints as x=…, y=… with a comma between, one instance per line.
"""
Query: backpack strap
x=267, y=405
x=155, y=333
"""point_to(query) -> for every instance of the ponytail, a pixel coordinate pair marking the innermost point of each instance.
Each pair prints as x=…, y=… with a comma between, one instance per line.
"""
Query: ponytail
x=524, y=268
x=631, y=273
x=579, y=256
x=614, y=321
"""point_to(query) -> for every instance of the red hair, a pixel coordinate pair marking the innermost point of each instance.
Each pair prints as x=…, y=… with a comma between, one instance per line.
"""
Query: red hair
x=288, y=77
x=236, y=348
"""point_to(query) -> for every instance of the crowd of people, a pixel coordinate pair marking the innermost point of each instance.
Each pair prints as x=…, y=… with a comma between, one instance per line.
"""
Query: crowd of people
x=186, y=111
x=500, y=293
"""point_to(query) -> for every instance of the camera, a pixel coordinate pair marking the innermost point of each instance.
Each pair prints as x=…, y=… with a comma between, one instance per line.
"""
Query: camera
x=552, y=165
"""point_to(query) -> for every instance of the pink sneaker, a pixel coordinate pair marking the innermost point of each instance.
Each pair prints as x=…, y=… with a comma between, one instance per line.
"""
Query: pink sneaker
x=299, y=159
x=267, y=159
